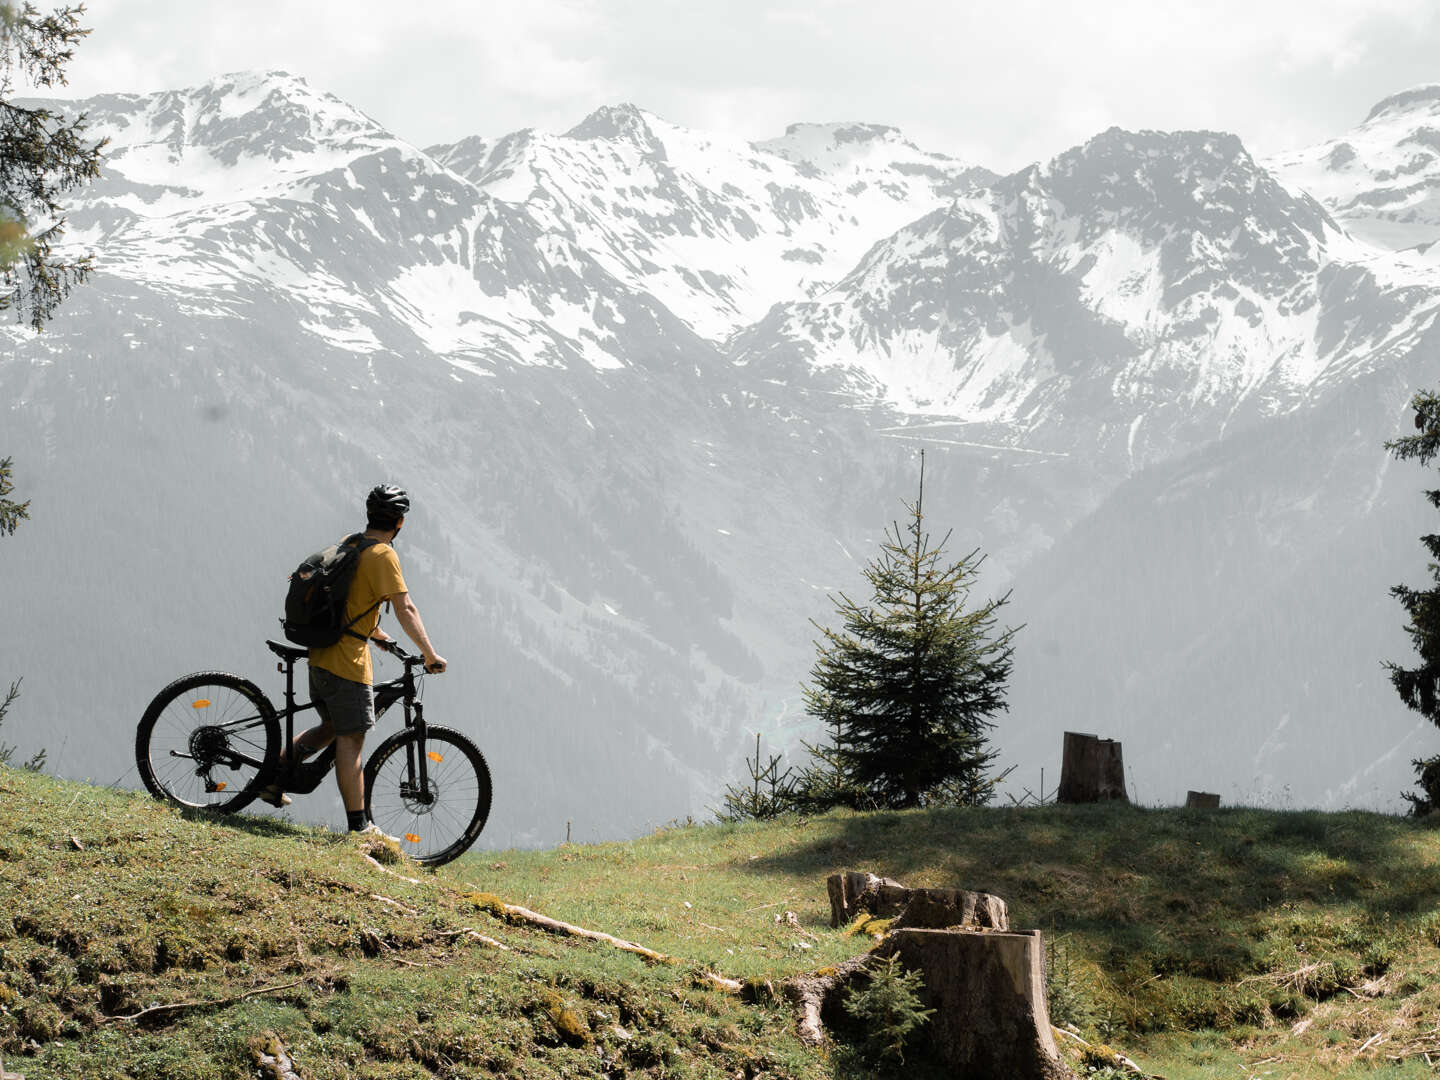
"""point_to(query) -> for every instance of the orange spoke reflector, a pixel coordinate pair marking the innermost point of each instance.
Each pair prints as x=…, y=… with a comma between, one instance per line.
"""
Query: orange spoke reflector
x=433, y=756
x=412, y=838
x=220, y=786
x=202, y=703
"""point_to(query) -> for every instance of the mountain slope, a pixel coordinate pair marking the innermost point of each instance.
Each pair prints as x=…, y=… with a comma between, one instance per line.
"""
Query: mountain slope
x=1130, y=300
x=716, y=229
x=1381, y=179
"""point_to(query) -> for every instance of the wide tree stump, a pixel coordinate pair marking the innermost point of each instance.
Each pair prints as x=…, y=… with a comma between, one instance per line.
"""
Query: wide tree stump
x=1092, y=769
x=988, y=992
x=1202, y=800
x=855, y=892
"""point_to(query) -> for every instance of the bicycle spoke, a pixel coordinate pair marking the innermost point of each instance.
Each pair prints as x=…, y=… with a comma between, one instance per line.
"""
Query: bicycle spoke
x=204, y=742
x=436, y=825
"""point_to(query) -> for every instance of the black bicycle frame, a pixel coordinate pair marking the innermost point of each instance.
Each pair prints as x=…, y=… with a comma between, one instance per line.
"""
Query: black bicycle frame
x=305, y=776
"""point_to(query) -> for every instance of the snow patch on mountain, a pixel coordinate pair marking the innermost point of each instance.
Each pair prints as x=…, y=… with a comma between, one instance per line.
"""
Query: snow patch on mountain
x=1382, y=178
x=715, y=228
x=1139, y=272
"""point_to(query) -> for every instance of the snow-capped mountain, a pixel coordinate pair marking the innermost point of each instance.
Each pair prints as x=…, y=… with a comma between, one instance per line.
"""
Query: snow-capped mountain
x=717, y=229
x=1381, y=179
x=1128, y=300
x=657, y=393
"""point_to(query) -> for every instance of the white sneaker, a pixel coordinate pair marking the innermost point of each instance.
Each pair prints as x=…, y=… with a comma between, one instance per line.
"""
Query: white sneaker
x=371, y=830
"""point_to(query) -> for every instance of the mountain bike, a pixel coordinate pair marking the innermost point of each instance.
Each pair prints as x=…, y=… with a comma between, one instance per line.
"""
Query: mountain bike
x=212, y=741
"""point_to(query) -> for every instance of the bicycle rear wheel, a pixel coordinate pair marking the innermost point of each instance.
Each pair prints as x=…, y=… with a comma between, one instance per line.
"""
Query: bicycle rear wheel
x=205, y=740
x=437, y=823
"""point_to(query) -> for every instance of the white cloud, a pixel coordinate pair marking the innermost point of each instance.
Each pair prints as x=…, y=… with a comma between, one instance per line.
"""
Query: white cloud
x=1010, y=81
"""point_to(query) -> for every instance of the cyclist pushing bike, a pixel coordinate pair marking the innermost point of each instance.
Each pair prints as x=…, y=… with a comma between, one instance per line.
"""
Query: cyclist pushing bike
x=341, y=676
x=213, y=740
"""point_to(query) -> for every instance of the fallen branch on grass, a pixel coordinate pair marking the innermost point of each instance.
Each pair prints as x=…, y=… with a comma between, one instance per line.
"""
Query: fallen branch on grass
x=386, y=870
x=516, y=914
x=404, y=908
x=1120, y=1059
x=471, y=932
x=1296, y=979
x=175, y=1008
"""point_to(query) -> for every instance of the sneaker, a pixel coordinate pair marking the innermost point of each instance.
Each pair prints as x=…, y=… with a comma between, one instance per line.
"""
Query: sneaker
x=371, y=831
x=275, y=795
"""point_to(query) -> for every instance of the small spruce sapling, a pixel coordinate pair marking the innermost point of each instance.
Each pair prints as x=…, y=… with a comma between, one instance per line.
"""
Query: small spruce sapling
x=888, y=1010
x=768, y=795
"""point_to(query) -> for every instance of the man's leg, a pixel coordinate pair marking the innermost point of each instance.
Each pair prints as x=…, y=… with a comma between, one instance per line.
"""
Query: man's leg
x=347, y=771
x=350, y=712
x=308, y=742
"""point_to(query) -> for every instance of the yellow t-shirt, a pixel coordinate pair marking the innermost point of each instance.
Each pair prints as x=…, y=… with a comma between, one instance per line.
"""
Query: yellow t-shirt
x=377, y=576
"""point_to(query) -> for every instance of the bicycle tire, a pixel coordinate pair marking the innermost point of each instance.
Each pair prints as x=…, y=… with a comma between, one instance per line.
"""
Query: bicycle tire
x=227, y=736
x=439, y=828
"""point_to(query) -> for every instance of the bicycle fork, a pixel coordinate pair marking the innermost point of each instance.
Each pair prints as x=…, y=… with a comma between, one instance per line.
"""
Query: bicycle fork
x=418, y=759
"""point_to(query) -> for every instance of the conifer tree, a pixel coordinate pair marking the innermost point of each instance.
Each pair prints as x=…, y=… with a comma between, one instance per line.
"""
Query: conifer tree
x=42, y=155
x=1419, y=687
x=909, y=686
x=11, y=512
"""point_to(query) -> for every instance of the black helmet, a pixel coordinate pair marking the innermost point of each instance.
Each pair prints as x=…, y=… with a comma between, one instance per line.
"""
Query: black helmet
x=387, y=503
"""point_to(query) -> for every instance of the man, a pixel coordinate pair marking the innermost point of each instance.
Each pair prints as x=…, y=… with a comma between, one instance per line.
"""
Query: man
x=340, y=674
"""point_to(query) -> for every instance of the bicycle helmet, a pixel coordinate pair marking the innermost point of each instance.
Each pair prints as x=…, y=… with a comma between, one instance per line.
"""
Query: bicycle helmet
x=387, y=503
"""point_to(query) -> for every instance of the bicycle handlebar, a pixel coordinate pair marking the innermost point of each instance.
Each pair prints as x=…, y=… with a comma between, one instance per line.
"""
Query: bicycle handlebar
x=409, y=659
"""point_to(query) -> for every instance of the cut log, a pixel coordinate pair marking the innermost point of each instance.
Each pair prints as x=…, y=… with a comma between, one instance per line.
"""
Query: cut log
x=855, y=892
x=1091, y=770
x=1202, y=800
x=988, y=993
x=939, y=909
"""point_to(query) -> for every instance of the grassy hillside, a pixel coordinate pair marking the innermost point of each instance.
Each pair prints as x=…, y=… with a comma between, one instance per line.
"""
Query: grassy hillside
x=1230, y=943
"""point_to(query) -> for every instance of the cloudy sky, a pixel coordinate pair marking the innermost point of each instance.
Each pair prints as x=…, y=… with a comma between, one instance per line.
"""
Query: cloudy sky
x=1000, y=82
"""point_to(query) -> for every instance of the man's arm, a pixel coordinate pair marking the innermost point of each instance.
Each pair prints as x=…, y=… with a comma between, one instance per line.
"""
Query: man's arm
x=408, y=616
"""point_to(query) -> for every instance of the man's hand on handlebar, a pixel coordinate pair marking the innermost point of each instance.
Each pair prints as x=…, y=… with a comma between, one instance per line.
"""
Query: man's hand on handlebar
x=434, y=664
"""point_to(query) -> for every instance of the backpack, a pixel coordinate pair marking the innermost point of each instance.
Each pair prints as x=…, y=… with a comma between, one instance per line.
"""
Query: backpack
x=315, y=604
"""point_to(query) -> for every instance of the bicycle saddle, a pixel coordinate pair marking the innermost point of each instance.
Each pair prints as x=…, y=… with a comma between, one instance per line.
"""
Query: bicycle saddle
x=287, y=652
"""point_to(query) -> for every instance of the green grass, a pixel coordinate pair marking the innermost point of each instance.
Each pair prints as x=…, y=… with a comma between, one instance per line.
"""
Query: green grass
x=1202, y=944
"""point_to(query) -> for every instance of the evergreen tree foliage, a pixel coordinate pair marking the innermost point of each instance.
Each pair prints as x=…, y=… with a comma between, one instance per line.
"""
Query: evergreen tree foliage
x=908, y=686
x=888, y=1010
x=11, y=513
x=42, y=155
x=1419, y=686
x=768, y=794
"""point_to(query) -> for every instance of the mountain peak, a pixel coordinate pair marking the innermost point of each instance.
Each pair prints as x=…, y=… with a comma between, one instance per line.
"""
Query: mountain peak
x=845, y=132
x=814, y=143
x=623, y=121
x=1418, y=99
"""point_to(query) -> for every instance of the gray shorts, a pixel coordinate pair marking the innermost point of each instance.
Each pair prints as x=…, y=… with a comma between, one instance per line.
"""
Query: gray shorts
x=349, y=707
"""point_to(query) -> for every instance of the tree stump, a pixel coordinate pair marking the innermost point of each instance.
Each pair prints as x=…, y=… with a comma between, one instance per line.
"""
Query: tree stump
x=1202, y=800
x=988, y=992
x=855, y=891
x=1091, y=770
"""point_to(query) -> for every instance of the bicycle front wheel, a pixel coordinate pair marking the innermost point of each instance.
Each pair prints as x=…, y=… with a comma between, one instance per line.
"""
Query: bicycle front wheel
x=205, y=740
x=437, y=820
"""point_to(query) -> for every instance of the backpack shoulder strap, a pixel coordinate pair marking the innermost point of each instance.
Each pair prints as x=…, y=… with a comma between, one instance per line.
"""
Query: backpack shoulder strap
x=363, y=543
